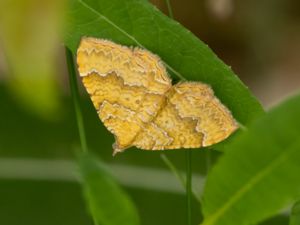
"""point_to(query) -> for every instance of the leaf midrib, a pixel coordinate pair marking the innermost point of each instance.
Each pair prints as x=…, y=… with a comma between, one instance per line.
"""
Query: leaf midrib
x=178, y=74
x=213, y=218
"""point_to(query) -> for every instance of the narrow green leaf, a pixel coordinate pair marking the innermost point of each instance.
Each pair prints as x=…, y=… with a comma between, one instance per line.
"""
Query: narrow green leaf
x=259, y=174
x=108, y=203
x=295, y=216
x=138, y=23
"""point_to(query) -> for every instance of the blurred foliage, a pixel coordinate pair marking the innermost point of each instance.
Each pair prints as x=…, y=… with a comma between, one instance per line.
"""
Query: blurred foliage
x=31, y=202
x=30, y=32
x=108, y=203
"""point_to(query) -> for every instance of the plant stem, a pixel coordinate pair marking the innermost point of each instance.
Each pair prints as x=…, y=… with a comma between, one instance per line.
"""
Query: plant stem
x=76, y=99
x=170, y=11
x=208, y=160
x=178, y=174
x=188, y=155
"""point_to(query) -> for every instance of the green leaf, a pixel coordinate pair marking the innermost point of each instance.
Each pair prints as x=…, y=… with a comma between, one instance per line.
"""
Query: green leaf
x=295, y=216
x=30, y=34
x=108, y=203
x=138, y=23
x=259, y=174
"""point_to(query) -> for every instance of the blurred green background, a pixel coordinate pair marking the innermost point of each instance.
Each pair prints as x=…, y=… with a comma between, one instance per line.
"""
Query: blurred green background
x=38, y=132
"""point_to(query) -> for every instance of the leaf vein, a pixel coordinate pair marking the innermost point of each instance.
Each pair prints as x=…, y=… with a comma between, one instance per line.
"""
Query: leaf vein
x=247, y=186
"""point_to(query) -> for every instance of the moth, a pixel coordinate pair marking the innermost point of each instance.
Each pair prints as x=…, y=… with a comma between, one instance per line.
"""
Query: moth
x=136, y=101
